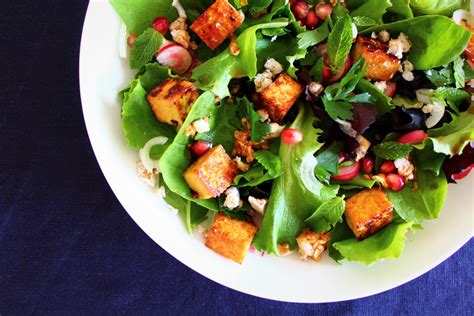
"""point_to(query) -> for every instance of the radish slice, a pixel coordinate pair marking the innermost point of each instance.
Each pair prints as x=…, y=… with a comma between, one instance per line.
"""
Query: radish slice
x=414, y=137
x=329, y=76
x=175, y=57
x=390, y=90
x=462, y=174
x=347, y=172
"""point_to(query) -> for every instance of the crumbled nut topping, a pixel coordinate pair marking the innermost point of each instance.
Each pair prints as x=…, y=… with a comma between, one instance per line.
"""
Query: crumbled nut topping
x=397, y=47
x=315, y=88
x=232, y=198
x=242, y=166
x=258, y=205
x=179, y=33
x=312, y=245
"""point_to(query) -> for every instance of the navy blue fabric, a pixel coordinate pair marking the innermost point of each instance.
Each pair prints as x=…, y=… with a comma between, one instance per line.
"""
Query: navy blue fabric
x=67, y=245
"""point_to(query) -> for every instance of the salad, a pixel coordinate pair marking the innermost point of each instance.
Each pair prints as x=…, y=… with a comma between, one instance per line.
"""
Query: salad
x=300, y=126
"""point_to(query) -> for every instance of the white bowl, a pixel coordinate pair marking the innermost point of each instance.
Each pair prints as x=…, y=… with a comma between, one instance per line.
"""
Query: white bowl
x=103, y=73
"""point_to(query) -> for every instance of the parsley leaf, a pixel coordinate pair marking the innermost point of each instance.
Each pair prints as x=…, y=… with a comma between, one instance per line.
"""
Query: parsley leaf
x=459, y=76
x=144, y=48
x=269, y=161
x=392, y=150
x=340, y=43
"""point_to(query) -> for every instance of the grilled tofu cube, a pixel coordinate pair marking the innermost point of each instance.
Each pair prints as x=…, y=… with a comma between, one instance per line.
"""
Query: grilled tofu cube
x=211, y=174
x=217, y=23
x=381, y=65
x=230, y=237
x=172, y=100
x=367, y=212
x=280, y=96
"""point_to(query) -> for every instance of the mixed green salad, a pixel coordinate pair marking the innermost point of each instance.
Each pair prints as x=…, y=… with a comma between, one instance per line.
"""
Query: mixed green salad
x=301, y=125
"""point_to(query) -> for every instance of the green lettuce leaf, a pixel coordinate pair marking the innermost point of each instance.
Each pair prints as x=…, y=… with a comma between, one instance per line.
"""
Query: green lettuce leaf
x=374, y=9
x=153, y=75
x=451, y=138
x=296, y=193
x=442, y=7
x=441, y=45
x=327, y=215
x=138, y=122
x=316, y=36
x=427, y=159
x=426, y=202
x=177, y=158
x=387, y=243
x=402, y=8
x=139, y=14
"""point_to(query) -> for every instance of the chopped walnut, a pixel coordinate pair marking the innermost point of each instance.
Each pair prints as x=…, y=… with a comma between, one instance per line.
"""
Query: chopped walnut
x=284, y=249
x=232, y=198
x=405, y=167
x=384, y=36
x=180, y=35
x=363, y=147
x=242, y=166
x=234, y=47
x=311, y=244
x=244, y=147
x=147, y=177
x=273, y=66
x=258, y=205
x=263, y=80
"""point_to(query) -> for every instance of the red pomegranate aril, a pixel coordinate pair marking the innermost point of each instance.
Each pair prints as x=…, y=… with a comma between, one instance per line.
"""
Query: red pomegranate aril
x=175, y=57
x=387, y=167
x=329, y=76
x=323, y=10
x=300, y=10
x=462, y=174
x=131, y=39
x=346, y=173
x=367, y=165
x=390, y=90
x=291, y=136
x=395, y=182
x=200, y=147
x=413, y=137
x=311, y=20
x=161, y=24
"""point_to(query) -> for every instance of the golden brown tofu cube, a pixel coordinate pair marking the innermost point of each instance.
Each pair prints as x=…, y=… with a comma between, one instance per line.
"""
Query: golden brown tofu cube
x=217, y=23
x=230, y=237
x=280, y=96
x=211, y=174
x=368, y=211
x=381, y=66
x=172, y=100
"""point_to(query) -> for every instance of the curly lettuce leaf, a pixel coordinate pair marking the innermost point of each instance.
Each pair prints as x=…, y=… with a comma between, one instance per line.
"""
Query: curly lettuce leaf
x=139, y=14
x=296, y=193
x=138, y=122
x=444, y=42
x=153, y=75
x=177, y=158
x=425, y=202
x=374, y=9
x=387, y=243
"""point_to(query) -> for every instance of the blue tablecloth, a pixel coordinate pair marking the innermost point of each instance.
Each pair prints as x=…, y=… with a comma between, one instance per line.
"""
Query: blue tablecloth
x=67, y=245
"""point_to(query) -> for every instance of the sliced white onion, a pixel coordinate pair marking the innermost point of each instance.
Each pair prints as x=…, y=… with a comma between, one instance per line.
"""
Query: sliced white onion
x=123, y=45
x=436, y=114
x=424, y=95
x=144, y=153
x=463, y=15
x=307, y=174
x=354, y=30
x=181, y=12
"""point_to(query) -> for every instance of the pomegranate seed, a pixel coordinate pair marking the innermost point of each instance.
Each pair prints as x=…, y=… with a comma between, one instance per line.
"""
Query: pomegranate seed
x=390, y=90
x=329, y=76
x=291, y=136
x=413, y=137
x=395, y=182
x=131, y=39
x=387, y=167
x=311, y=20
x=346, y=173
x=462, y=174
x=161, y=24
x=200, y=147
x=323, y=10
x=300, y=10
x=367, y=164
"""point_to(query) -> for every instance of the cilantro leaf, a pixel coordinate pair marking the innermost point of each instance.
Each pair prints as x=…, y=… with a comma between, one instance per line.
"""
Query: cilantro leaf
x=338, y=109
x=144, y=48
x=392, y=150
x=267, y=168
x=269, y=161
x=340, y=43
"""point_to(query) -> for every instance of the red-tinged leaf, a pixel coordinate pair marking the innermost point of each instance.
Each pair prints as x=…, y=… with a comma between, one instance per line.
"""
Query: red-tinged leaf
x=363, y=117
